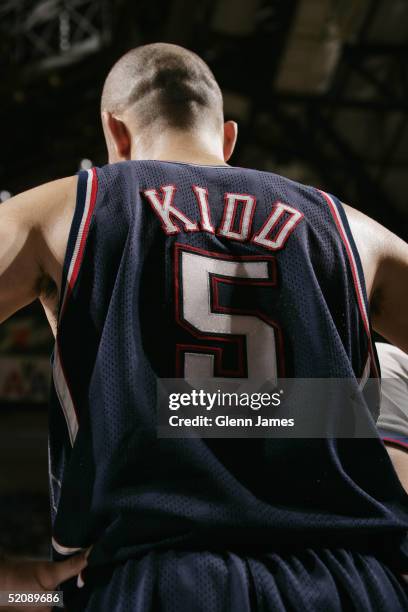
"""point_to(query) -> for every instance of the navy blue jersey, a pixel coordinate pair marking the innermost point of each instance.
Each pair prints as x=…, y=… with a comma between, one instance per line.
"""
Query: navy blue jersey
x=176, y=270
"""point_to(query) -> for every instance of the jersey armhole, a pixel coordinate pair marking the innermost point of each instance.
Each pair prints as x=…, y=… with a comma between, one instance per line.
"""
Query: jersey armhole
x=84, y=207
x=393, y=438
x=343, y=227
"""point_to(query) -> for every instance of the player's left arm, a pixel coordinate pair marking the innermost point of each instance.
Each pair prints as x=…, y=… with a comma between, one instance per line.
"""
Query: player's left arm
x=384, y=257
x=34, y=229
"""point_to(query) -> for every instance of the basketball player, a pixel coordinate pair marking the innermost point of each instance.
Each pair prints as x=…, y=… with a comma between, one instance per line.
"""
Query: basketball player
x=168, y=262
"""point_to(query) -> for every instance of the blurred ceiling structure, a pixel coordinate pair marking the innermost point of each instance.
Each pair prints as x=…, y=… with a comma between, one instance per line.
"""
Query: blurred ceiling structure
x=319, y=87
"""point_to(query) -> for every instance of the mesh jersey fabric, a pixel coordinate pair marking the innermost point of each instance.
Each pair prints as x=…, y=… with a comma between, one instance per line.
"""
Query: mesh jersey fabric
x=308, y=580
x=118, y=487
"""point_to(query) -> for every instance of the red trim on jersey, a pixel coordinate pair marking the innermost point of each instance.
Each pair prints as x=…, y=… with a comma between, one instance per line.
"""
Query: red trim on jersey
x=395, y=442
x=354, y=271
x=82, y=236
x=74, y=268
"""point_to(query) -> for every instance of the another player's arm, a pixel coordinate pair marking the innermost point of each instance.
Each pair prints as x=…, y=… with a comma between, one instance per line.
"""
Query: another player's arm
x=384, y=258
x=34, y=230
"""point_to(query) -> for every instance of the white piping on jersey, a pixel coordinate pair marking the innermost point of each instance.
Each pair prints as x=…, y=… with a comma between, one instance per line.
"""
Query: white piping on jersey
x=64, y=397
x=366, y=373
x=65, y=550
x=56, y=480
x=60, y=383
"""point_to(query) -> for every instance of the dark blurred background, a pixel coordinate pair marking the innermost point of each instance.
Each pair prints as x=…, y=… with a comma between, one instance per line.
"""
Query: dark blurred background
x=319, y=89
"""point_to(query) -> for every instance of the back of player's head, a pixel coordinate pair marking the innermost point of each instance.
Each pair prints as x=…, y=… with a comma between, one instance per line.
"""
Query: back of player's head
x=163, y=86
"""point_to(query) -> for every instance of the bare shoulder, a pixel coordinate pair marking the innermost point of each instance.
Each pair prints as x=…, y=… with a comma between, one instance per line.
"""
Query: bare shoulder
x=34, y=229
x=33, y=207
x=384, y=257
x=52, y=206
x=374, y=243
x=371, y=235
x=45, y=214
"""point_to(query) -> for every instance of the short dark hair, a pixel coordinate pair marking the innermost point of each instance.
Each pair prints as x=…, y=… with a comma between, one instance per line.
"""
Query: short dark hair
x=165, y=84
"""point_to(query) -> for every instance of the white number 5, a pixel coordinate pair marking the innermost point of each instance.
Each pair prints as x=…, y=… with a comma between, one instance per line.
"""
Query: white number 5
x=198, y=278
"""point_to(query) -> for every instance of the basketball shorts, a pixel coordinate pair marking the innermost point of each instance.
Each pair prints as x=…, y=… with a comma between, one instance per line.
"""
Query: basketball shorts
x=190, y=581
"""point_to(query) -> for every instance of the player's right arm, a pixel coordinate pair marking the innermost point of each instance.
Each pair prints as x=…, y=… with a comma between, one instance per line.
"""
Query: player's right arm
x=384, y=258
x=34, y=228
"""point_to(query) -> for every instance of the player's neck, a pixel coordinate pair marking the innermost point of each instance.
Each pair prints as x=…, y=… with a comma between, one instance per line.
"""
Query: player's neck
x=181, y=147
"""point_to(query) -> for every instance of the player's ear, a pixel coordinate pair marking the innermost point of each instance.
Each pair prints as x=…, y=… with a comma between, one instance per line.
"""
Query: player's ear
x=230, y=138
x=118, y=139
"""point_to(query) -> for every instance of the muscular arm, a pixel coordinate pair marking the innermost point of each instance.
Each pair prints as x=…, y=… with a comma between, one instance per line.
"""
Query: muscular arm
x=384, y=258
x=34, y=229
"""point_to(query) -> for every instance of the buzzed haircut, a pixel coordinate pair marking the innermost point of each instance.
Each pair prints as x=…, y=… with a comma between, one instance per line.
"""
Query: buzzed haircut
x=163, y=85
